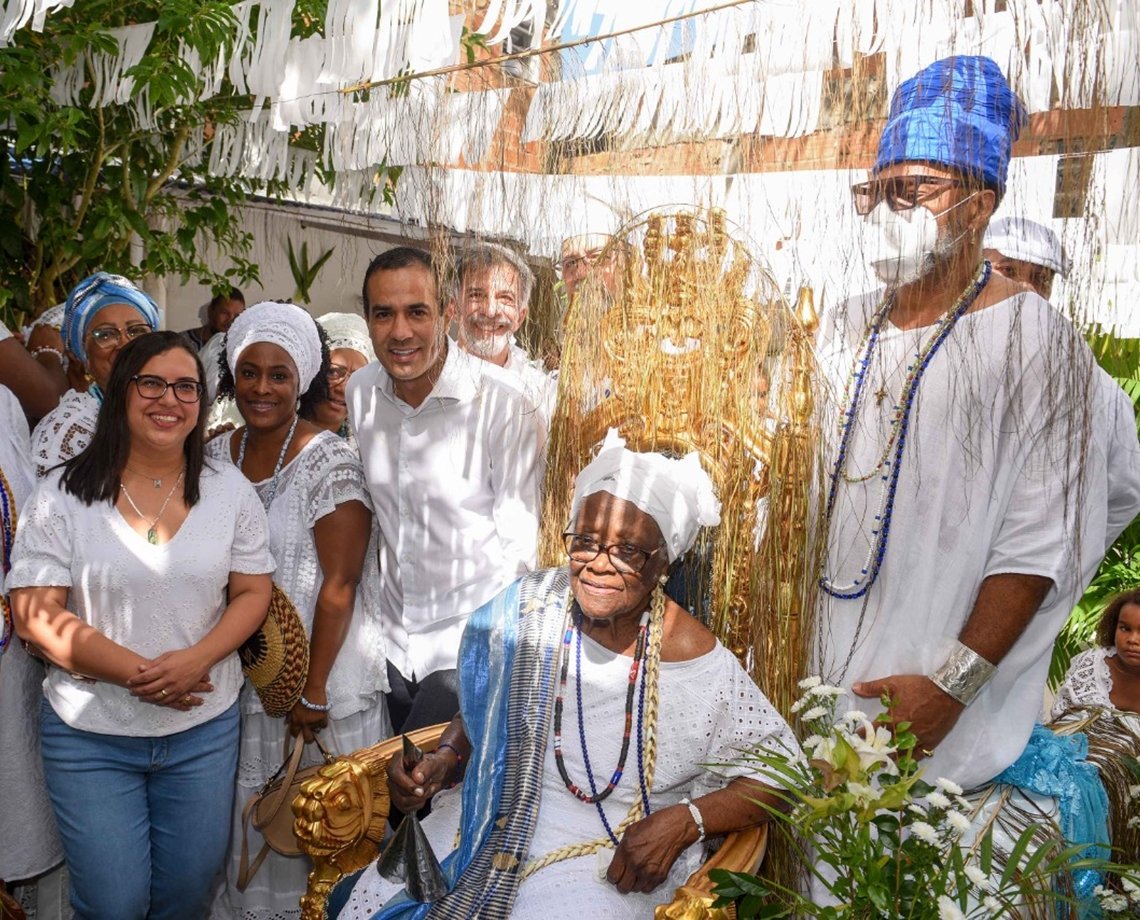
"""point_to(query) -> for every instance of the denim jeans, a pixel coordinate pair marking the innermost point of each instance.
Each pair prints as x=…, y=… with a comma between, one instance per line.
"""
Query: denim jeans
x=144, y=821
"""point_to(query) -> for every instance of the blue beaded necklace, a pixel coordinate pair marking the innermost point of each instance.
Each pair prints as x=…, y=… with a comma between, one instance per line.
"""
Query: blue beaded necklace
x=890, y=462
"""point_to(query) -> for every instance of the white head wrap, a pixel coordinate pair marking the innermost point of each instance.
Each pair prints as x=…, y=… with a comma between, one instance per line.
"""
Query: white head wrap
x=1026, y=240
x=677, y=494
x=283, y=324
x=348, y=330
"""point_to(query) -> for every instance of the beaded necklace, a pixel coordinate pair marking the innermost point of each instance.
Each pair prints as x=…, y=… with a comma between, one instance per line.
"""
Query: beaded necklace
x=271, y=492
x=7, y=532
x=594, y=797
x=890, y=462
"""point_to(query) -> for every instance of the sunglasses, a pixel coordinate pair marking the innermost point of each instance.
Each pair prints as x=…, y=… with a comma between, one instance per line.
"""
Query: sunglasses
x=901, y=193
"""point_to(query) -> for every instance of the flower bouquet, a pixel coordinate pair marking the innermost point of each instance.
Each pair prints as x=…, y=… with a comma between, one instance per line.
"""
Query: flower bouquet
x=876, y=839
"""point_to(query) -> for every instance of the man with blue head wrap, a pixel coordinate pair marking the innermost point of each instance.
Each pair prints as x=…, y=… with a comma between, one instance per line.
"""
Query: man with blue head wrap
x=969, y=500
x=103, y=312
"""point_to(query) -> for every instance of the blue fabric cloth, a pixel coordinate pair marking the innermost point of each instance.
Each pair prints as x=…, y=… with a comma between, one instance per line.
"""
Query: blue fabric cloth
x=959, y=113
x=486, y=656
x=1057, y=766
x=90, y=296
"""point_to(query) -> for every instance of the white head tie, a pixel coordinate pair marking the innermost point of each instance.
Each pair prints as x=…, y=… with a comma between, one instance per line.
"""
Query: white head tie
x=677, y=494
x=1025, y=240
x=348, y=330
x=282, y=324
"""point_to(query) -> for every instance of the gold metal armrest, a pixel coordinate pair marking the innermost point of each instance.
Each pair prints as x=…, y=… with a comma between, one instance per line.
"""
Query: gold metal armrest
x=341, y=814
x=741, y=851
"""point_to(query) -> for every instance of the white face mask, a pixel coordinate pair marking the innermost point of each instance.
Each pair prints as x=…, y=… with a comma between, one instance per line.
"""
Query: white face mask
x=904, y=246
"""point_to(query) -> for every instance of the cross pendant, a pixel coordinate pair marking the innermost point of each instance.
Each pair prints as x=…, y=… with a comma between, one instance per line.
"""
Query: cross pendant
x=880, y=395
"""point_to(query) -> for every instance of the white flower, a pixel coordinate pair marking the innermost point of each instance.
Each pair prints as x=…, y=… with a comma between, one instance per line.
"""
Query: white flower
x=1134, y=791
x=917, y=809
x=1131, y=889
x=808, y=682
x=799, y=704
x=979, y=879
x=992, y=904
x=811, y=742
x=1113, y=902
x=1134, y=821
x=964, y=804
x=937, y=800
x=864, y=795
x=874, y=747
x=826, y=690
x=855, y=715
x=948, y=785
x=925, y=832
x=948, y=910
x=816, y=712
x=958, y=821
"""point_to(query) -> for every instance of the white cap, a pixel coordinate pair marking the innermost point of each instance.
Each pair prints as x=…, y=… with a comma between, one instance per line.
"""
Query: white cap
x=1026, y=240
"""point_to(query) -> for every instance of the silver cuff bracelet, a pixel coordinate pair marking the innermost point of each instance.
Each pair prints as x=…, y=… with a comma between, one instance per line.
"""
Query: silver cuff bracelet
x=963, y=674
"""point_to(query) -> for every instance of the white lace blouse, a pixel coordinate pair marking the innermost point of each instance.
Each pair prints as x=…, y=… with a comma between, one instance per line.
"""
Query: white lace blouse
x=1088, y=683
x=65, y=431
x=326, y=473
x=148, y=598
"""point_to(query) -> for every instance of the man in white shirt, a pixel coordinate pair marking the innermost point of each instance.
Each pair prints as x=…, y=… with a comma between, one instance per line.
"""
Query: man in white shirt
x=490, y=301
x=453, y=457
x=971, y=495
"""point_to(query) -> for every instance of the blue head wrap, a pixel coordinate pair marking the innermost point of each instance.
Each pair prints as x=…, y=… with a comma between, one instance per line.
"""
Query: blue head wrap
x=90, y=296
x=959, y=113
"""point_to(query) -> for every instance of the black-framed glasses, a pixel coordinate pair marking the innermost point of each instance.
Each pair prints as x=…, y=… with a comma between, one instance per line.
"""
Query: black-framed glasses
x=152, y=387
x=625, y=557
x=106, y=337
x=901, y=193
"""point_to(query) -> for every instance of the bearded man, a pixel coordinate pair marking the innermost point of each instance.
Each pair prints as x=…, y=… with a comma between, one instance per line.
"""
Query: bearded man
x=489, y=305
x=970, y=499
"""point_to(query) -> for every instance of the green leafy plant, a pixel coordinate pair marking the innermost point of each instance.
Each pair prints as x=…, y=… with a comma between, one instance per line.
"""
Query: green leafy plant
x=305, y=273
x=881, y=842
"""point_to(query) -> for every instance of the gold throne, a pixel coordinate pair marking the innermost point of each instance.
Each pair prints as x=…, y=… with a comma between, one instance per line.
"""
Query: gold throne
x=692, y=348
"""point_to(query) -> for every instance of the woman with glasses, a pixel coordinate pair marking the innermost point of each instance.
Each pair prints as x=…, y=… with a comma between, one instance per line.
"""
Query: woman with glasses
x=350, y=349
x=137, y=571
x=321, y=534
x=102, y=314
x=589, y=704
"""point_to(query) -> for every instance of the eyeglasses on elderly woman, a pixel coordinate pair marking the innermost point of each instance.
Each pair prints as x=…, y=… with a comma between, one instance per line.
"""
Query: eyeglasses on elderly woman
x=901, y=193
x=106, y=337
x=625, y=557
x=151, y=387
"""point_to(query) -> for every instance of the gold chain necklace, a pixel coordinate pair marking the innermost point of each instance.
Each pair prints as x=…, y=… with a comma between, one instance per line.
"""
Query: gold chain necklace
x=152, y=531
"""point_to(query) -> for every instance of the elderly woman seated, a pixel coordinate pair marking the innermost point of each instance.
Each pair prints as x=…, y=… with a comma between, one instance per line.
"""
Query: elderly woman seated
x=598, y=722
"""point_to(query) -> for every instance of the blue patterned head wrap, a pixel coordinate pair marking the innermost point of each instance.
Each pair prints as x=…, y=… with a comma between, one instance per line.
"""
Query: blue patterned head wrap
x=90, y=296
x=959, y=113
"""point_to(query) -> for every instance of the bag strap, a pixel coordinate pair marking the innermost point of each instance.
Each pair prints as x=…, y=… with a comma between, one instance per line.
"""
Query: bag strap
x=274, y=799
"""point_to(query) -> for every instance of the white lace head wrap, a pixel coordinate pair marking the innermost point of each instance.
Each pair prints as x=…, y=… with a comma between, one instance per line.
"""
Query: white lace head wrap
x=283, y=324
x=677, y=494
x=348, y=330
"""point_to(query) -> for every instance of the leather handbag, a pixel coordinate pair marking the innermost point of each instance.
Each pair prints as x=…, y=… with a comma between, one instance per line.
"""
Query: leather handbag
x=271, y=813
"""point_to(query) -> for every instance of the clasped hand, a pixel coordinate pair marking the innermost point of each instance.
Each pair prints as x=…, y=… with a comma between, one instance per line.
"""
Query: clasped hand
x=649, y=848
x=411, y=790
x=173, y=679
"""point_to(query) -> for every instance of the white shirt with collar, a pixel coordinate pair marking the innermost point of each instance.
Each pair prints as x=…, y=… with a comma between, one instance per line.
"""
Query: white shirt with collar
x=539, y=384
x=455, y=483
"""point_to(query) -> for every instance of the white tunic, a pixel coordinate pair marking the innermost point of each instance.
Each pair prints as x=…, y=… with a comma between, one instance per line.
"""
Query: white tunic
x=710, y=711
x=65, y=431
x=150, y=599
x=26, y=816
x=539, y=384
x=325, y=474
x=1004, y=472
x=455, y=483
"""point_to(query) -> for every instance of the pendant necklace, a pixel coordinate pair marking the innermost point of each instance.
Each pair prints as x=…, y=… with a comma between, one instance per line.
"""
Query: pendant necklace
x=157, y=480
x=152, y=531
x=271, y=492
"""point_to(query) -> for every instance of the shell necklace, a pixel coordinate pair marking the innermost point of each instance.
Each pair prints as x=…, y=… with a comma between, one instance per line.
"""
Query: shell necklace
x=152, y=530
x=271, y=492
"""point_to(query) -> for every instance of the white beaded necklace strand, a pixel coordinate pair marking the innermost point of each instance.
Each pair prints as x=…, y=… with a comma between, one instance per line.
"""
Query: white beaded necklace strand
x=271, y=492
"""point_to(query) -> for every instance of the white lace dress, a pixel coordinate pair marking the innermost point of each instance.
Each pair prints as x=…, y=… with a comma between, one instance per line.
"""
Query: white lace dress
x=26, y=815
x=1089, y=683
x=710, y=710
x=326, y=473
x=65, y=431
